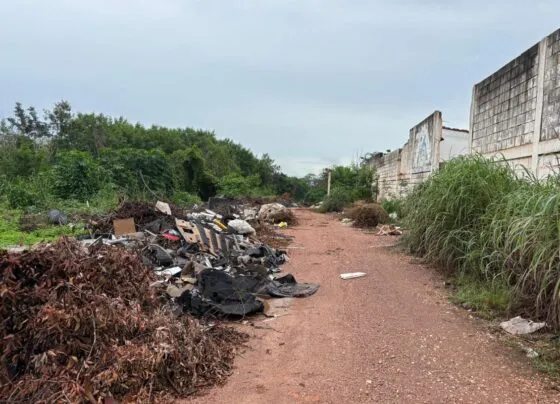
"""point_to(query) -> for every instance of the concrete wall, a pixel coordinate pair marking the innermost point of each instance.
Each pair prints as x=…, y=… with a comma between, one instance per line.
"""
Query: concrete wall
x=515, y=112
x=455, y=143
x=400, y=170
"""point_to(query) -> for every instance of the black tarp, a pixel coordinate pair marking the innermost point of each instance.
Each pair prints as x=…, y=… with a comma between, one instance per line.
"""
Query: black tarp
x=220, y=294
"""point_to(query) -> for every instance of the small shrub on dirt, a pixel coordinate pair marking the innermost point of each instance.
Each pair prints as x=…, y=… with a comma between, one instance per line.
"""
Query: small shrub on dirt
x=336, y=201
x=367, y=215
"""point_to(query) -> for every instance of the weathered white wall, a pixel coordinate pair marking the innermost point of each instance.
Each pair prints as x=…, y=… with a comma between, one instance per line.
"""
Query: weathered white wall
x=455, y=142
x=515, y=112
x=400, y=170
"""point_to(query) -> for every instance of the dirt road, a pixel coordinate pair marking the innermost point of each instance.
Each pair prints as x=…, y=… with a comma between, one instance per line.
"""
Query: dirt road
x=391, y=337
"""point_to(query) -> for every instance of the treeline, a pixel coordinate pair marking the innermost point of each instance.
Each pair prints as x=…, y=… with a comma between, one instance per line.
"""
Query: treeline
x=80, y=156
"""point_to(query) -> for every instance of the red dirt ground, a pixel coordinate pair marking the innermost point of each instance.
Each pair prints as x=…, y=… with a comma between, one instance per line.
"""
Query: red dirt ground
x=390, y=337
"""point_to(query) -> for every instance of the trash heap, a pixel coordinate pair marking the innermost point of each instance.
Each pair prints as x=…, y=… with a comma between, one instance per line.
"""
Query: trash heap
x=210, y=264
x=105, y=317
x=81, y=324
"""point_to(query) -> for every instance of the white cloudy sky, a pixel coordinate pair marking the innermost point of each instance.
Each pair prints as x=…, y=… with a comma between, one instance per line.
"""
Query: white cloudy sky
x=311, y=82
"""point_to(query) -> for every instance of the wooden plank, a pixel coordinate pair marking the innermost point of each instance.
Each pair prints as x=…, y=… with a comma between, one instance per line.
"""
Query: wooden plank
x=188, y=231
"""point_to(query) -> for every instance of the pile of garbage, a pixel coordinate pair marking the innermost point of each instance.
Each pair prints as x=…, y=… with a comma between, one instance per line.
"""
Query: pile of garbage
x=84, y=324
x=211, y=264
x=111, y=315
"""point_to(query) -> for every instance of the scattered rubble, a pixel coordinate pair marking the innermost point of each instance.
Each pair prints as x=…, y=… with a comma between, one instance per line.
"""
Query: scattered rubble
x=389, y=230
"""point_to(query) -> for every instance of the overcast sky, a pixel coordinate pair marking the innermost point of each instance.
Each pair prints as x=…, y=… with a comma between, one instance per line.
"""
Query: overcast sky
x=311, y=82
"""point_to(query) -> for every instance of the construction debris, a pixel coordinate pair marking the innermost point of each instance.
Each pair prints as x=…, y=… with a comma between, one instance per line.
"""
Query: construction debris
x=163, y=208
x=389, y=230
x=239, y=226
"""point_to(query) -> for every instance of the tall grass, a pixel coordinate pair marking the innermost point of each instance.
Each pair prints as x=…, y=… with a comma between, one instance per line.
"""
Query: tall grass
x=520, y=241
x=478, y=219
x=444, y=213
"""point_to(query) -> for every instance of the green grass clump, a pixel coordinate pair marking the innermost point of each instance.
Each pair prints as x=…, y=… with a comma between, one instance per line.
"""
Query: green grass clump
x=393, y=206
x=11, y=235
x=488, y=299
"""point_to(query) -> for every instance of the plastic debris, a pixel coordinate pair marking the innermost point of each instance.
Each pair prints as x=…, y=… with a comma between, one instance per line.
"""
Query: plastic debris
x=531, y=353
x=521, y=326
x=352, y=275
x=56, y=217
x=274, y=212
x=240, y=226
x=389, y=230
x=163, y=208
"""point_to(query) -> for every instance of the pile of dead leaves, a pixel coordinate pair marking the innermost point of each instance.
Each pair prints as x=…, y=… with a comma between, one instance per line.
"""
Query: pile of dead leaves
x=80, y=326
x=367, y=215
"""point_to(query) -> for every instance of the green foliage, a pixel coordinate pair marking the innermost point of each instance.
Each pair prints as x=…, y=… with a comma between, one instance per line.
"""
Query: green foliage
x=20, y=157
x=314, y=195
x=185, y=199
x=520, y=241
x=394, y=206
x=76, y=176
x=19, y=194
x=190, y=173
x=138, y=170
x=337, y=200
x=356, y=179
x=488, y=299
x=235, y=185
x=140, y=161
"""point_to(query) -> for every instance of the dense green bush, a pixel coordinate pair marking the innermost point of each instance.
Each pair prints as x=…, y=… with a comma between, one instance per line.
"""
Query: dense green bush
x=314, y=196
x=76, y=176
x=136, y=170
x=235, y=185
x=185, y=199
x=19, y=194
x=337, y=200
x=155, y=162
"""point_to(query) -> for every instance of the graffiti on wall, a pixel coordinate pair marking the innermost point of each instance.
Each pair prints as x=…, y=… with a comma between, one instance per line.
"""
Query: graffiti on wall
x=423, y=148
